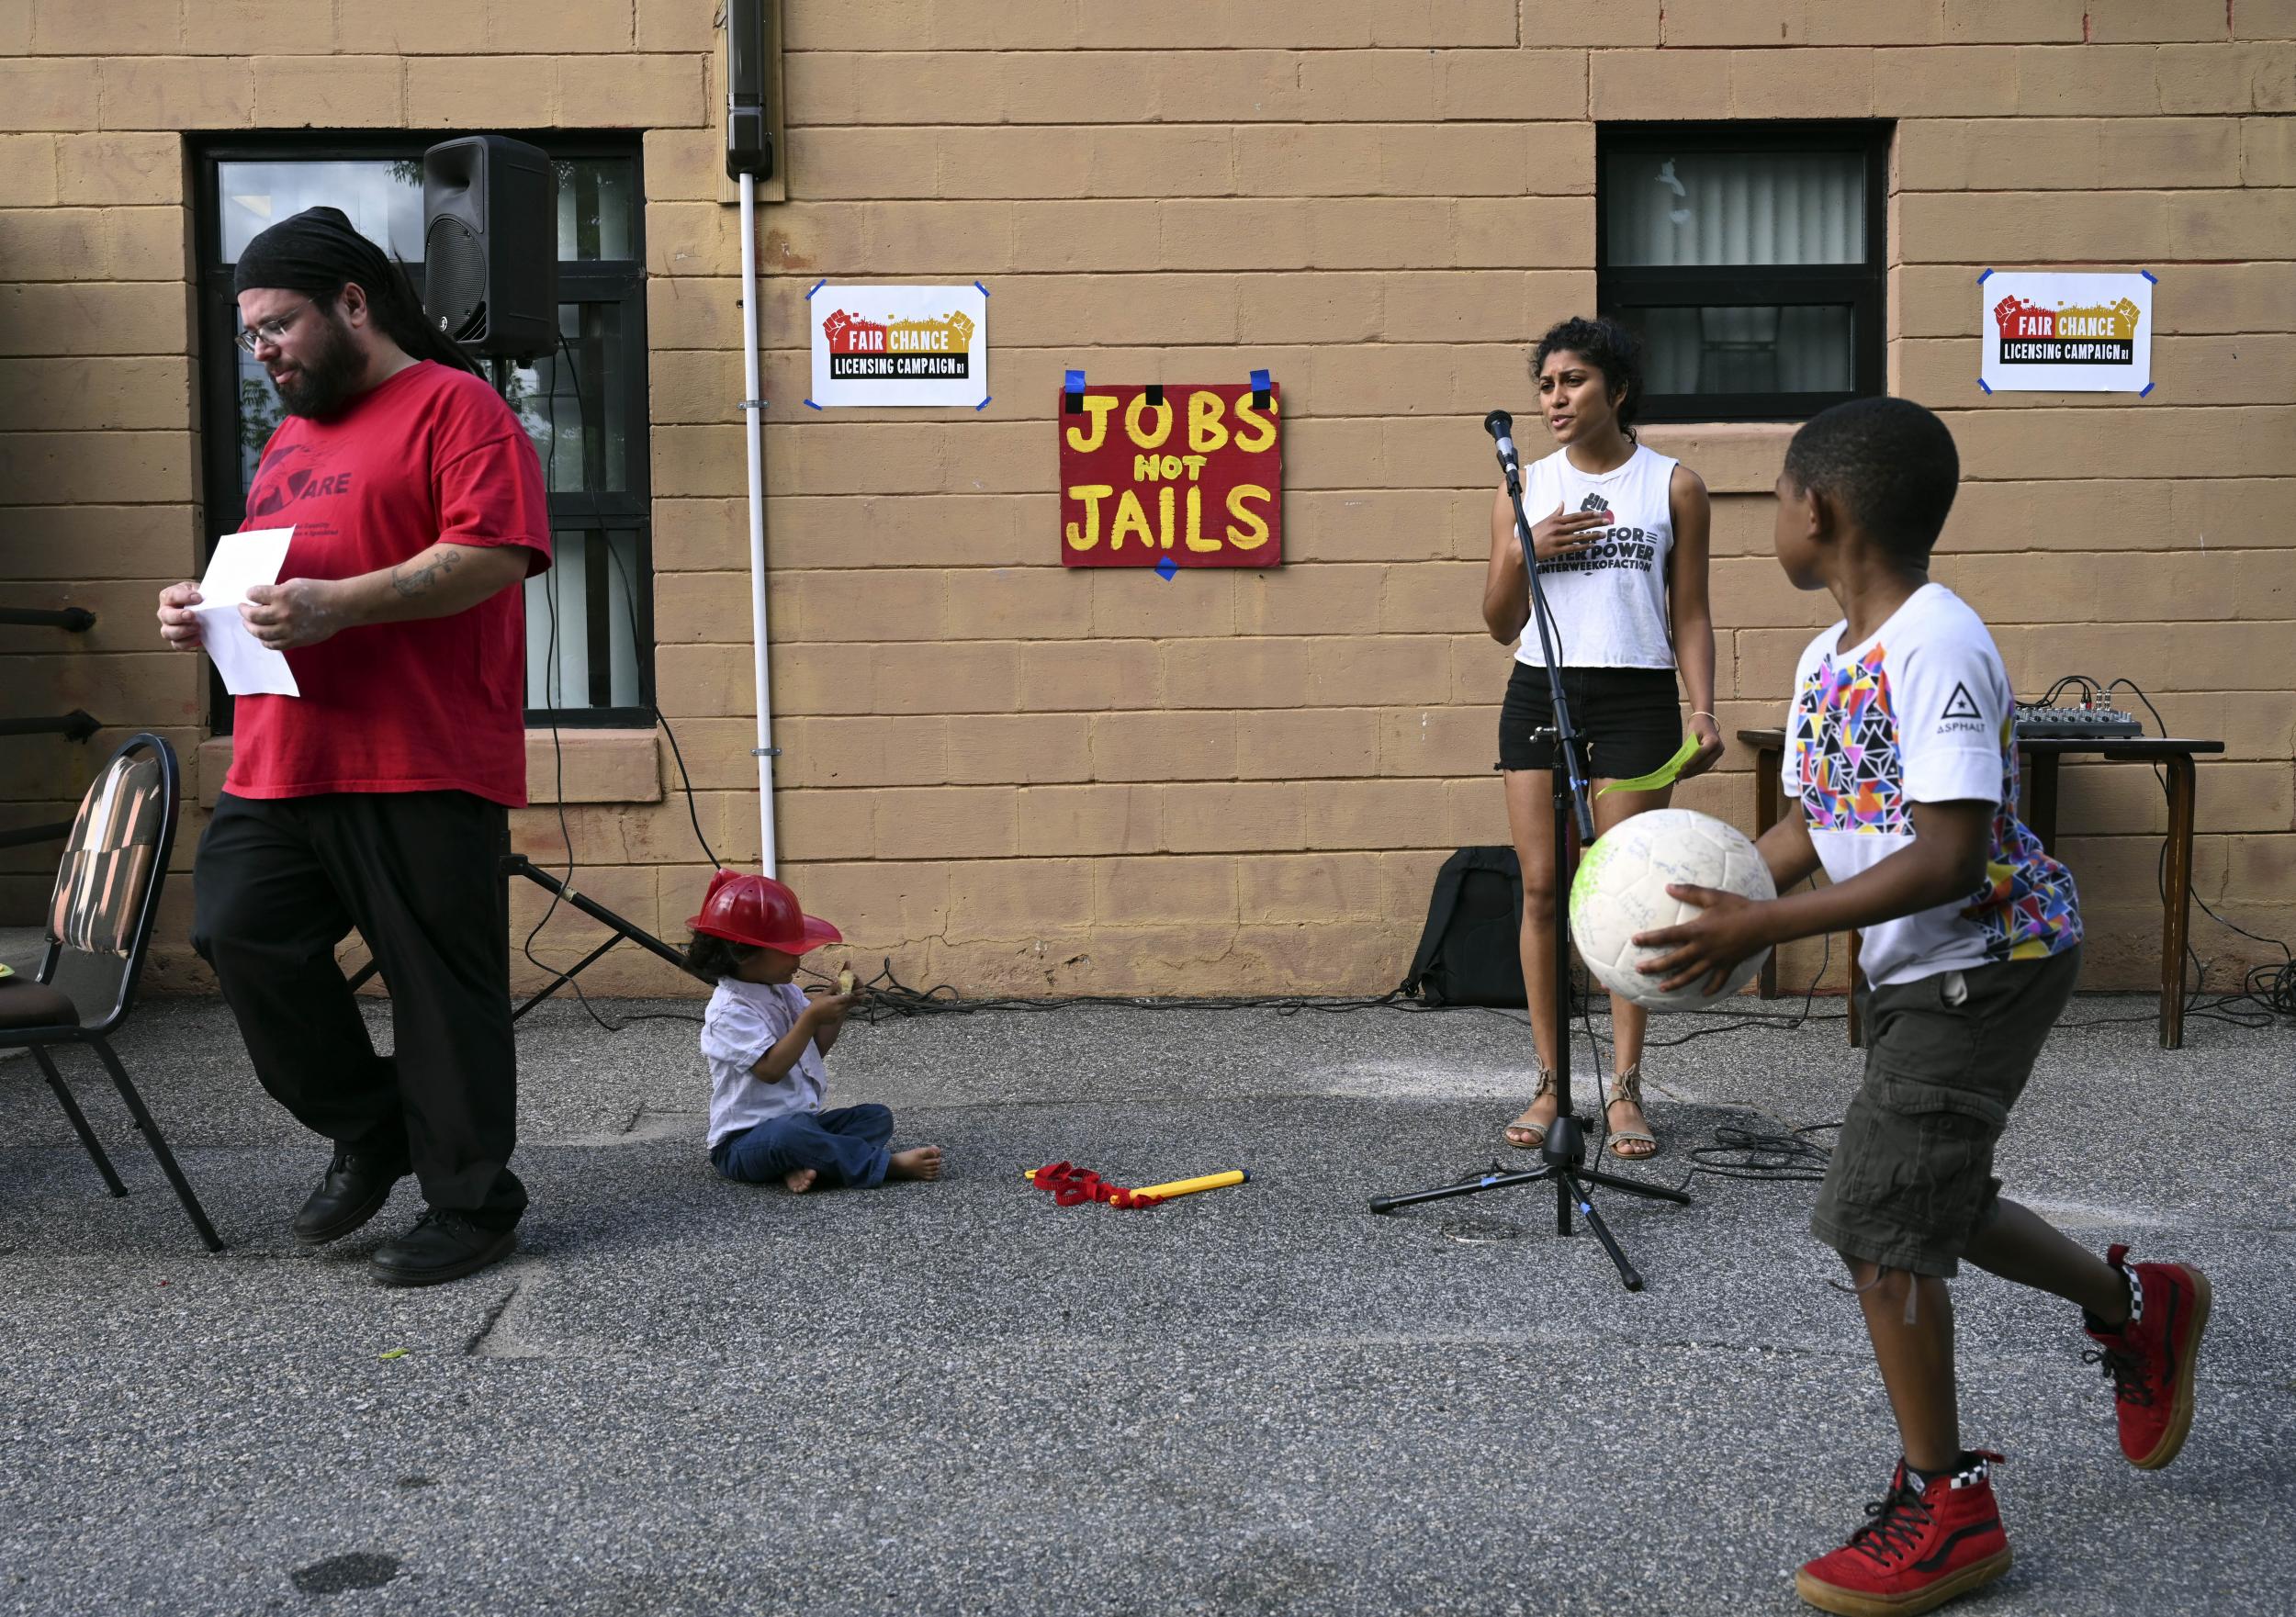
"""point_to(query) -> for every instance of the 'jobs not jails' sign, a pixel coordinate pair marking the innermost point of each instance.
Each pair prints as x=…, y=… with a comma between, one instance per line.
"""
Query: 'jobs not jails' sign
x=1189, y=472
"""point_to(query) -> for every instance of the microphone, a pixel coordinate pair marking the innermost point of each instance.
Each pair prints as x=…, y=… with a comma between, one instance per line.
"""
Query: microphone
x=1500, y=425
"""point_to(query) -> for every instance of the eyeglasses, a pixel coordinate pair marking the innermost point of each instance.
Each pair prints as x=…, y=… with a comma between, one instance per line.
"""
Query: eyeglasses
x=270, y=330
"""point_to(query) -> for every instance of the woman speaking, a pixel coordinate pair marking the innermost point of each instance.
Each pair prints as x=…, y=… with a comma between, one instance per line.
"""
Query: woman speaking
x=1620, y=533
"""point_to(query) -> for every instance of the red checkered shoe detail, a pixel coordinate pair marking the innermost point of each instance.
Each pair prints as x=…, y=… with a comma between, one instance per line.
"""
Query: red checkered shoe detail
x=2150, y=1359
x=1919, y=1548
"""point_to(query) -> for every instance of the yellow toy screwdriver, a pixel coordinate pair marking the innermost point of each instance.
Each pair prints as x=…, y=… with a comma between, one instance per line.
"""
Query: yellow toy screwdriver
x=1166, y=1192
x=1191, y=1187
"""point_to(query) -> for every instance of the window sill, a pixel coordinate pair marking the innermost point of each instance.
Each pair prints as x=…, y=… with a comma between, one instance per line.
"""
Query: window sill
x=1734, y=457
x=601, y=766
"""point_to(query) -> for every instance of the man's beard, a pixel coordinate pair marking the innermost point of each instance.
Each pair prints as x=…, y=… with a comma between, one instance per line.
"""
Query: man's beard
x=327, y=378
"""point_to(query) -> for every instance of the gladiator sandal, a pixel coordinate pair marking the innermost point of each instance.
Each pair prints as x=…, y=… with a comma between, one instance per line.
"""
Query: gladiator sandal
x=1627, y=1086
x=1522, y=1126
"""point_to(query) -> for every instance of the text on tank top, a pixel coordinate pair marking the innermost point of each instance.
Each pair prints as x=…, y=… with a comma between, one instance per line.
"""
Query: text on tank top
x=1608, y=600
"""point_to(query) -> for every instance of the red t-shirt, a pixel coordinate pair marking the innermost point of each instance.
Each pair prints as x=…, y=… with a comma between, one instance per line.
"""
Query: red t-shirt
x=433, y=706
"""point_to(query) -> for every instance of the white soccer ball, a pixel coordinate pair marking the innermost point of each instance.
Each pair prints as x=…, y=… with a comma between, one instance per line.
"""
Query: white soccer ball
x=1620, y=890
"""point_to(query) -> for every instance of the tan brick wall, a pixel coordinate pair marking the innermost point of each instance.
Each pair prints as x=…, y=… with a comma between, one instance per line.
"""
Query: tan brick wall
x=1010, y=777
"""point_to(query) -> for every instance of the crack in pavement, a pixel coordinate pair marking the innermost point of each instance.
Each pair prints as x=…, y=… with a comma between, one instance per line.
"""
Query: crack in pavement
x=498, y=1336
x=647, y=1124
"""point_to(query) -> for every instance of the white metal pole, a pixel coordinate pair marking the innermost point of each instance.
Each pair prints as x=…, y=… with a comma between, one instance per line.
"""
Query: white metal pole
x=753, y=412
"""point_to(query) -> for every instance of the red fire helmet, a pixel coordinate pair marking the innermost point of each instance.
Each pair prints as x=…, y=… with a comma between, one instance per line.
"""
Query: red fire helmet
x=760, y=912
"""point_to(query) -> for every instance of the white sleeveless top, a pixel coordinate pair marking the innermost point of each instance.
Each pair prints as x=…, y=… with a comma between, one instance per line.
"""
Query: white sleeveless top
x=1609, y=600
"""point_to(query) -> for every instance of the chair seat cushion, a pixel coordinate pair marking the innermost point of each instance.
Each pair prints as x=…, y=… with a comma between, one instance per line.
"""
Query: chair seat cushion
x=34, y=1005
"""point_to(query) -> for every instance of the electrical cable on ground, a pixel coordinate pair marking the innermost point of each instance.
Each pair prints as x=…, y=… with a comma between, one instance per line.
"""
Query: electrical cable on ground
x=550, y=677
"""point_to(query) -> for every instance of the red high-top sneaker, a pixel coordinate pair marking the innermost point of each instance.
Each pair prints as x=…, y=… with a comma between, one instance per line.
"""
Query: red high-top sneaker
x=2149, y=1360
x=1920, y=1548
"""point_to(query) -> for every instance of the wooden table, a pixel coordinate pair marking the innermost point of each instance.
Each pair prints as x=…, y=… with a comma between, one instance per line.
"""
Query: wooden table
x=2037, y=776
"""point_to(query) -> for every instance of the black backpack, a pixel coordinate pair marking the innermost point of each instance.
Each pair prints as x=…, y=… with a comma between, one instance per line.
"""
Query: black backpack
x=1470, y=953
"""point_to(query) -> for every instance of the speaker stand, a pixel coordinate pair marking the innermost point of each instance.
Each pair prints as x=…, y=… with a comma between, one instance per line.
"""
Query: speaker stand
x=518, y=864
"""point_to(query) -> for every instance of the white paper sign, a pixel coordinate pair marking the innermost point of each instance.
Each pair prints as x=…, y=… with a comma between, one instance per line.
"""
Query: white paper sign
x=899, y=345
x=2051, y=331
x=249, y=667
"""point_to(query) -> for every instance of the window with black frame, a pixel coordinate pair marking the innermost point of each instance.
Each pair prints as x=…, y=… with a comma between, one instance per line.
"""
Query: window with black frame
x=590, y=618
x=1751, y=258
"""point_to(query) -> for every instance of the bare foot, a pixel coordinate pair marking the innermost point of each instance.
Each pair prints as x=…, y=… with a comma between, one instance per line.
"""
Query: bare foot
x=798, y=1181
x=922, y=1161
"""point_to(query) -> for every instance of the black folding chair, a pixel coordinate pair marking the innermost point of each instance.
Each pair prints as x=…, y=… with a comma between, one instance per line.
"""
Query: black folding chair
x=107, y=894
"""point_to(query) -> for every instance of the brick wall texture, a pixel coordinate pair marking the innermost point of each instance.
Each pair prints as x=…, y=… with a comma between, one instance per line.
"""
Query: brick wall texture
x=1011, y=776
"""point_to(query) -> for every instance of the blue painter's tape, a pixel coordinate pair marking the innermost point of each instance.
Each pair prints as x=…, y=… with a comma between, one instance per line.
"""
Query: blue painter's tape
x=816, y=285
x=2149, y=276
x=1076, y=383
x=983, y=403
x=1259, y=381
x=1167, y=569
x=1981, y=276
x=811, y=405
x=2148, y=387
x=983, y=289
x=1983, y=383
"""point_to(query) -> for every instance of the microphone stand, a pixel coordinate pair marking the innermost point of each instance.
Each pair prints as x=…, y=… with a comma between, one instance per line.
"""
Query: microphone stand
x=1563, y=1153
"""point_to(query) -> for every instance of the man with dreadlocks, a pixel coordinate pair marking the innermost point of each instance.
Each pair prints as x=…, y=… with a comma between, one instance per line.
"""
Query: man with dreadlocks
x=377, y=797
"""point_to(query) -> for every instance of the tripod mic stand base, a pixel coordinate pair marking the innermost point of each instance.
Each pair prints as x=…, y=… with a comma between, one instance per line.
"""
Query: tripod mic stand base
x=1563, y=1153
x=618, y=929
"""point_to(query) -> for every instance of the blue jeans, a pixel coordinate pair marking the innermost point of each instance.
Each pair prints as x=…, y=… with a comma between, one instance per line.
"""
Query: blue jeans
x=845, y=1145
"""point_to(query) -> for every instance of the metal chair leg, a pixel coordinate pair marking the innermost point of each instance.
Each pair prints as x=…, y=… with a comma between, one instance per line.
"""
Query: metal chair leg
x=79, y=1121
x=159, y=1146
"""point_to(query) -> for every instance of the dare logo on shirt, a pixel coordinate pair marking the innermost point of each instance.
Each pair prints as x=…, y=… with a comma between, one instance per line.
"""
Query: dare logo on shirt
x=310, y=480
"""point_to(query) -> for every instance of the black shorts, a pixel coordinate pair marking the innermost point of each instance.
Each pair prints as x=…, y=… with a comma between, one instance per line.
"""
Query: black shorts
x=1630, y=719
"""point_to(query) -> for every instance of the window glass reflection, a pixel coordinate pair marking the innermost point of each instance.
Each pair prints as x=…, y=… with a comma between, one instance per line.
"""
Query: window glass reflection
x=382, y=197
x=581, y=442
x=597, y=209
x=1755, y=348
x=582, y=607
x=584, y=615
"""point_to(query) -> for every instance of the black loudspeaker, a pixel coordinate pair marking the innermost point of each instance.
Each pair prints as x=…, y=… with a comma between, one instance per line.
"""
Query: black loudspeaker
x=748, y=134
x=490, y=245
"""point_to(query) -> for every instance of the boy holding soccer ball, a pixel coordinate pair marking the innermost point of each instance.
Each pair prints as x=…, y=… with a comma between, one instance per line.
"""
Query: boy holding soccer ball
x=1901, y=750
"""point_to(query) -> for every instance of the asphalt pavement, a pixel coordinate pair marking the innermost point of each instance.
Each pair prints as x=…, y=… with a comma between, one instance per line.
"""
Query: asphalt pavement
x=688, y=1396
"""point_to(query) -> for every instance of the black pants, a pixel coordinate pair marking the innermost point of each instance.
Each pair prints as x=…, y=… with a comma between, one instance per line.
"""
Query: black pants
x=279, y=883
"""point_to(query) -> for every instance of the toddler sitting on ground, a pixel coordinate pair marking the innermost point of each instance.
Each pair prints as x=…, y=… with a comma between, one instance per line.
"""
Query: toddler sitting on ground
x=765, y=1040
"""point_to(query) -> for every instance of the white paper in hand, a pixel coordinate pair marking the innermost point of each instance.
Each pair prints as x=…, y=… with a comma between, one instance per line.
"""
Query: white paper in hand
x=249, y=667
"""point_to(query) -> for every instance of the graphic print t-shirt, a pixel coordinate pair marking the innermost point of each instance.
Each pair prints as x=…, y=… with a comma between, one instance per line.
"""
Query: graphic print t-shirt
x=1609, y=600
x=434, y=705
x=1921, y=711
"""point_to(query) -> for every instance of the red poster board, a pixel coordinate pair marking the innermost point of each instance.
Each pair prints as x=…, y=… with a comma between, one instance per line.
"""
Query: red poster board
x=1196, y=480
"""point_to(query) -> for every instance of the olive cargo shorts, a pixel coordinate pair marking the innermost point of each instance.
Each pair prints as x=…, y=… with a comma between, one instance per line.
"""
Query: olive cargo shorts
x=1910, y=1181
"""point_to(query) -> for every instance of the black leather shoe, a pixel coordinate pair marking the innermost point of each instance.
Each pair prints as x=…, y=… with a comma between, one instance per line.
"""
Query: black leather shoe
x=442, y=1246
x=354, y=1190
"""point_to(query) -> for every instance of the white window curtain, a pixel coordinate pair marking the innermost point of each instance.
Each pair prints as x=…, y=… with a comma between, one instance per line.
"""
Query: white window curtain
x=1739, y=209
x=583, y=450
x=1735, y=208
x=565, y=679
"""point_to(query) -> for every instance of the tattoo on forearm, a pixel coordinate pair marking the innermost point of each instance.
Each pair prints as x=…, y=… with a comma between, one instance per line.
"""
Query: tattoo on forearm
x=410, y=580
